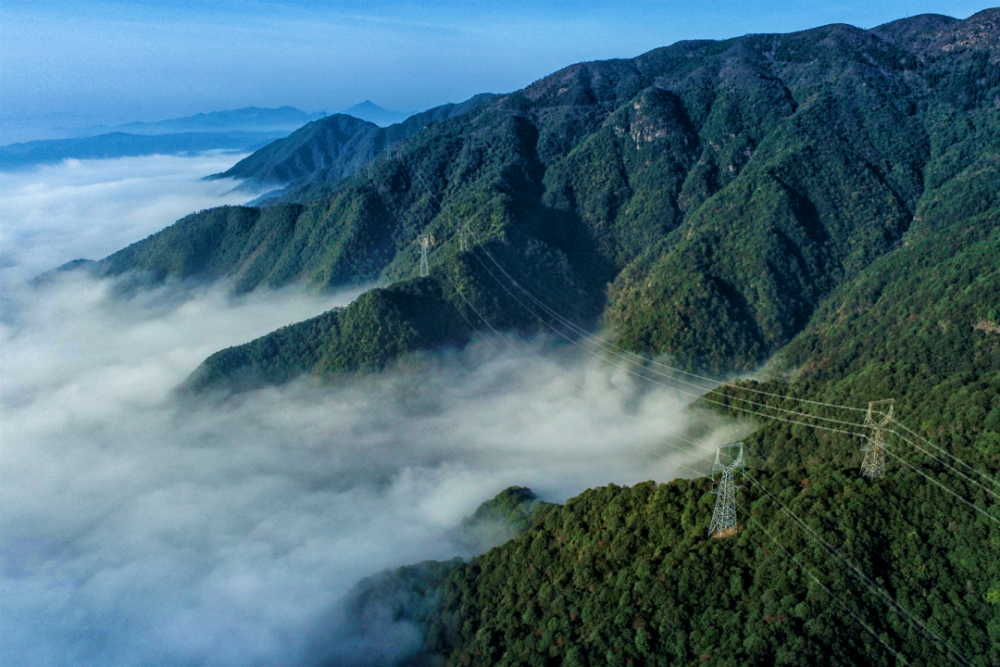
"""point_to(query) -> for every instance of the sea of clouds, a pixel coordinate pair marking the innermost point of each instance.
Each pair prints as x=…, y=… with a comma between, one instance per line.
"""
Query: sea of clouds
x=140, y=527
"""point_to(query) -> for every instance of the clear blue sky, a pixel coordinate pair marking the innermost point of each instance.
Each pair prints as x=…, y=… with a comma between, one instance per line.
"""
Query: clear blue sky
x=115, y=61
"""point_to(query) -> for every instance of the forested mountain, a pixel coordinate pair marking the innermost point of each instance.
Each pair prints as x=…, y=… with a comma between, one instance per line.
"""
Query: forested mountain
x=329, y=149
x=723, y=190
x=825, y=201
x=626, y=576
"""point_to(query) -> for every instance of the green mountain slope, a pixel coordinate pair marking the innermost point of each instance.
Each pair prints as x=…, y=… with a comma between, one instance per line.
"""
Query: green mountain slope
x=920, y=324
x=827, y=200
x=331, y=145
x=622, y=576
x=330, y=149
x=706, y=197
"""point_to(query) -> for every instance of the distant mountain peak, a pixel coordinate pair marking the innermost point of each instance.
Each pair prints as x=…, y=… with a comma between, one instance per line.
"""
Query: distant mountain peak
x=373, y=113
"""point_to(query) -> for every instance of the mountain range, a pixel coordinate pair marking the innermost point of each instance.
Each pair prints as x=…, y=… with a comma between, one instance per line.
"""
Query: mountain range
x=825, y=202
x=243, y=130
x=122, y=144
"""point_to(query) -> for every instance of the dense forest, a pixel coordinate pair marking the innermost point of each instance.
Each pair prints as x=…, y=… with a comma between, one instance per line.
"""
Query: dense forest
x=702, y=201
x=822, y=204
x=626, y=576
x=334, y=147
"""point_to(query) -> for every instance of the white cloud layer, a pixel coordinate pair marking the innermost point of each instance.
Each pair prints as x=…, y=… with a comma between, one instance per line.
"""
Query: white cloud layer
x=91, y=208
x=139, y=528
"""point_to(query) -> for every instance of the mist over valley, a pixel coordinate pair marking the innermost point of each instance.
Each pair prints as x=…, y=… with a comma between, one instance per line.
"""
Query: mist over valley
x=138, y=526
x=691, y=357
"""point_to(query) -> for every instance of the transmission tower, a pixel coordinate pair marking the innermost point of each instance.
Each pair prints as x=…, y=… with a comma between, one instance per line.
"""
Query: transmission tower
x=425, y=245
x=724, y=516
x=877, y=419
x=463, y=240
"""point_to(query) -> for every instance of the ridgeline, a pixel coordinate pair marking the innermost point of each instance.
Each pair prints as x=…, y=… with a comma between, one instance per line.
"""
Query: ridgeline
x=827, y=201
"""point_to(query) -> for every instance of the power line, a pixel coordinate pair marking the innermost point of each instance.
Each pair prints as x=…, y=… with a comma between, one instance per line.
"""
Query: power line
x=614, y=351
x=724, y=517
x=850, y=611
x=443, y=210
x=481, y=246
x=391, y=210
x=579, y=331
x=939, y=484
x=873, y=464
x=857, y=571
x=940, y=449
x=603, y=342
x=914, y=622
x=945, y=464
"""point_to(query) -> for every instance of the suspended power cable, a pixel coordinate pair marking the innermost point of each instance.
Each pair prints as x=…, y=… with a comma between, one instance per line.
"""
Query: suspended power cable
x=626, y=369
x=850, y=611
x=865, y=579
x=939, y=484
x=585, y=334
x=715, y=383
x=945, y=464
x=457, y=290
x=904, y=613
x=614, y=350
x=610, y=348
x=942, y=450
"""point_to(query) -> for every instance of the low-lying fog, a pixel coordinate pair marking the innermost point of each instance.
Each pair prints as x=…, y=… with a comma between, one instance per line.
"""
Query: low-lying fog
x=140, y=529
x=91, y=208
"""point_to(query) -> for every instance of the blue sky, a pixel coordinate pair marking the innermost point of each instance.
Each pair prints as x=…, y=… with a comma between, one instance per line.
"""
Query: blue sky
x=121, y=61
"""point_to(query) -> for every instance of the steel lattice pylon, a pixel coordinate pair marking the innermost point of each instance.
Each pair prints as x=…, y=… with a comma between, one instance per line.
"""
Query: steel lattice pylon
x=876, y=419
x=724, y=516
x=425, y=244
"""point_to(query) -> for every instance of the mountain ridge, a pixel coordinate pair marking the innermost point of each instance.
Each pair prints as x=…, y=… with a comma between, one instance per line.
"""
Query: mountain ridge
x=824, y=201
x=334, y=147
x=653, y=175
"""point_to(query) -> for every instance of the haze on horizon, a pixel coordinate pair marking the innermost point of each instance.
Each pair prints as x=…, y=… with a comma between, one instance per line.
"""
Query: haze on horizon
x=115, y=61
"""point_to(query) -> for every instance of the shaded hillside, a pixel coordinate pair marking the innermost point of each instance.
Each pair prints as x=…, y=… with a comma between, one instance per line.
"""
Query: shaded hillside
x=332, y=148
x=456, y=301
x=723, y=189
